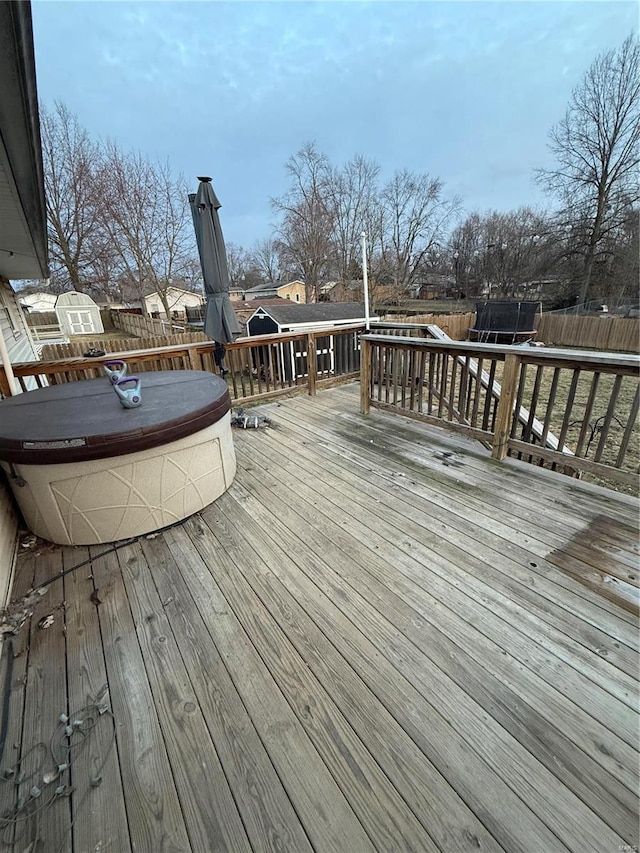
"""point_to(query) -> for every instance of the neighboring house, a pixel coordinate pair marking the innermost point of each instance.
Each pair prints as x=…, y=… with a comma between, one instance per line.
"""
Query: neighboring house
x=177, y=298
x=293, y=290
x=23, y=249
x=38, y=302
x=78, y=314
x=341, y=291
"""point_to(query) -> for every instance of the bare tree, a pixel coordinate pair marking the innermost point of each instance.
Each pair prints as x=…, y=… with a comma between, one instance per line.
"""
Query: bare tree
x=413, y=217
x=596, y=146
x=72, y=165
x=351, y=198
x=500, y=252
x=306, y=224
x=266, y=256
x=243, y=271
x=148, y=221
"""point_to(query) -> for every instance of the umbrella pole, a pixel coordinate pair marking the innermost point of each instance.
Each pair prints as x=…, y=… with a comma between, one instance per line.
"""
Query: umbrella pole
x=365, y=281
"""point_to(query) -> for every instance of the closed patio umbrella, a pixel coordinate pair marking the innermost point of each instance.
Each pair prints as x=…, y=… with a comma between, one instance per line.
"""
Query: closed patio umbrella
x=220, y=324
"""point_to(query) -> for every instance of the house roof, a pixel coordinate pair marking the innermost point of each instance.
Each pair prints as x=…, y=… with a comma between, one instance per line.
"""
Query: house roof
x=290, y=313
x=270, y=286
x=24, y=228
x=150, y=290
x=250, y=305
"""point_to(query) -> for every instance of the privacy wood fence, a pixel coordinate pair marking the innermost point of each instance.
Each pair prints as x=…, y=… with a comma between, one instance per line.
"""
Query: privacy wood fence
x=76, y=349
x=41, y=318
x=613, y=334
x=456, y=326
x=589, y=400
x=144, y=327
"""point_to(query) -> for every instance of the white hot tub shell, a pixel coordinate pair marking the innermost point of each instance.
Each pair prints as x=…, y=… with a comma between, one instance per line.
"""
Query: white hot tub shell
x=85, y=470
x=104, y=500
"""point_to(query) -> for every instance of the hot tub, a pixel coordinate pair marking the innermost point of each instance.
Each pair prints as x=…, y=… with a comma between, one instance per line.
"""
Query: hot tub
x=84, y=470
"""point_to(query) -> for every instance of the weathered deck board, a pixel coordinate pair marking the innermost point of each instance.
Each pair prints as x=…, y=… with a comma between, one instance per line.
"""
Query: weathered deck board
x=46, y=695
x=505, y=537
x=499, y=699
x=318, y=800
x=267, y=813
x=379, y=807
x=15, y=681
x=210, y=813
x=492, y=551
x=363, y=645
x=482, y=605
x=101, y=822
x=153, y=808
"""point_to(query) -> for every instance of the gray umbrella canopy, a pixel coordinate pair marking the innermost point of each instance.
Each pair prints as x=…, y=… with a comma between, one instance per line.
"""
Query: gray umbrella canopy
x=221, y=323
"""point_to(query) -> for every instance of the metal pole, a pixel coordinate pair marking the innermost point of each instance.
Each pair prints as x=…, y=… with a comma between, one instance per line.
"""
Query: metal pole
x=365, y=281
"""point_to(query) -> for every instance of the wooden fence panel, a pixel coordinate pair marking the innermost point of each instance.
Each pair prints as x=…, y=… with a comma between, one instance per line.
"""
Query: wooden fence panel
x=74, y=349
x=612, y=334
x=456, y=326
x=41, y=318
x=143, y=327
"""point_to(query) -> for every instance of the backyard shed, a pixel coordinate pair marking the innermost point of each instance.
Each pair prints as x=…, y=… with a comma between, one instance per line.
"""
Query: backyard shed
x=292, y=317
x=78, y=314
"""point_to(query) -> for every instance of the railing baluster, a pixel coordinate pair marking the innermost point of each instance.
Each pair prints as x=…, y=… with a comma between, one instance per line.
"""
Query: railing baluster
x=631, y=425
x=534, y=402
x=443, y=382
x=604, y=432
x=462, y=395
x=404, y=355
x=515, y=421
x=488, y=396
x=477, y=392
x=550, y=404
x=587, y=413
x=366, y=375
x=452, y=387
x=433, y=365
x=395, y=359
x=571, y=396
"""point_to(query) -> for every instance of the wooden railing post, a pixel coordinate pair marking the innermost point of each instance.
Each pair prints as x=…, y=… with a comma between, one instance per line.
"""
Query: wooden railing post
x=365, y=376
x=312, y=364
x=195, y=359
x=504, y=413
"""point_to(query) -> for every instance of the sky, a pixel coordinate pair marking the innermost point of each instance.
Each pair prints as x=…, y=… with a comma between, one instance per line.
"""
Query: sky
x=465, y=91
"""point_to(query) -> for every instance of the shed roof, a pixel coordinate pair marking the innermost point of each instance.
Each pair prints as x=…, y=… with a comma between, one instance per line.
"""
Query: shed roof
x=290, y=313
x=73, y=298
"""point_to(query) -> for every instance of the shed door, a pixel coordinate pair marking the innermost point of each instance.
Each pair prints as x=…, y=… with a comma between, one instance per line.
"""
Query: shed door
x=81, y=323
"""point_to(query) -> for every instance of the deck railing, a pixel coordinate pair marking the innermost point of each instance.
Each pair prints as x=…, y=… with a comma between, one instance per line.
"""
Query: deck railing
x=258, y=367
x=572, y=411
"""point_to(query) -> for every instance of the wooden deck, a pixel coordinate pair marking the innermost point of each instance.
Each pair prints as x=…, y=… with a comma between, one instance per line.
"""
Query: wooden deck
x=378, y=639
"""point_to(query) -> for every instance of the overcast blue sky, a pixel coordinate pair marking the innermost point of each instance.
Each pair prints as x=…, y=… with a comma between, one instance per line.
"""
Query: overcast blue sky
x=466, y=91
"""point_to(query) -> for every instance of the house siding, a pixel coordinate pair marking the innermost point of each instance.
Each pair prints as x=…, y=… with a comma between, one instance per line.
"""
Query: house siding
x=293, y=291
x=178, y=300
x=13, y=327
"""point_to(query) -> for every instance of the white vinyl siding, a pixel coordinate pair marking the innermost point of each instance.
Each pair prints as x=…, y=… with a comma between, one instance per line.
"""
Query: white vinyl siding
x=13, y=328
